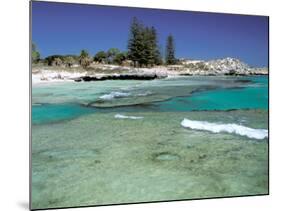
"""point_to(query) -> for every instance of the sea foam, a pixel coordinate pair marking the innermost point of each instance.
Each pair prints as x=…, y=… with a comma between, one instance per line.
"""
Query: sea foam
x=113, y=95
x=120, y=116
x=144, y=94
x=228, y=128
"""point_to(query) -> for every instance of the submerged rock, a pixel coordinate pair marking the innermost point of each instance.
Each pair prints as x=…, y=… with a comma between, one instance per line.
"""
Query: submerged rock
x=202, y=156
x=166, y=156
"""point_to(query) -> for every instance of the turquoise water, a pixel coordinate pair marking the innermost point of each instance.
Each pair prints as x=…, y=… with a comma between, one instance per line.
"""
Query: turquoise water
x=113, y=142
x=70, y=102
x=221, y=99
x=50, y=113
x=251, y=96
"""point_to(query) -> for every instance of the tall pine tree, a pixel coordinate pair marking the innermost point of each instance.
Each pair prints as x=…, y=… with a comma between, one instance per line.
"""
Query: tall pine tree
x=135, y=41
x=170, y=51
x=156, y=52
x=143, y=47
x=149, y=47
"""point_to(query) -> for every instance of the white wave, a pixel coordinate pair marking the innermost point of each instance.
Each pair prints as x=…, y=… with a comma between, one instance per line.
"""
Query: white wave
x=228, y=128
x=120, y=116
x=143, y=94
x=113, y=95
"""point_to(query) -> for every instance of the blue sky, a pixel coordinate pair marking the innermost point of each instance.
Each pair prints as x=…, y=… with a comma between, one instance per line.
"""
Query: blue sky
x=59, y=28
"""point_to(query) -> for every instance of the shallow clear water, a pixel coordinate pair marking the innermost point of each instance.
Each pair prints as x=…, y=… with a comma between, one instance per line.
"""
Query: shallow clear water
x=66, y=101
x=48, y=113
x=221, y=99
x=90, y=146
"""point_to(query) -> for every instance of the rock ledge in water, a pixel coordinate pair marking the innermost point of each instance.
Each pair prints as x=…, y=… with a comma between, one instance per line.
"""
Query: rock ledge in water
x=120, y=77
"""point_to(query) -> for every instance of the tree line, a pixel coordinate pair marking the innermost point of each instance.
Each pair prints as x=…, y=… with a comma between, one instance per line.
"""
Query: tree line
x=142, y=50
x=112, y=56
x=143, y=47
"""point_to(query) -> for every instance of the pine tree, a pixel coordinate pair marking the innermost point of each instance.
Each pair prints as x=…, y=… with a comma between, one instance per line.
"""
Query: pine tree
x=143, y=47
x=148, y=40
x=135, y=43
x=170, y=51
x=156, y=52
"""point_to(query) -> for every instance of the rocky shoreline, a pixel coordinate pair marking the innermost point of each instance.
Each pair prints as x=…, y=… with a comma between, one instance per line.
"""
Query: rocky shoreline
x=101, y=72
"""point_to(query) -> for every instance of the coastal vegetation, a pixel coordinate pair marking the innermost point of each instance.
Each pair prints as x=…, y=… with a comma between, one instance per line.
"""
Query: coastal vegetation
x=170, y=51
x=143, y=56
x=69, y=61
x=142, y=51
x=143, y=47
x=35, y=54
x=84, y=59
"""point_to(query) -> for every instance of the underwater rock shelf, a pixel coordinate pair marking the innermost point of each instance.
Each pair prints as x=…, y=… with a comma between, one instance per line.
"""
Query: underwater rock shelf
x=120, y=77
